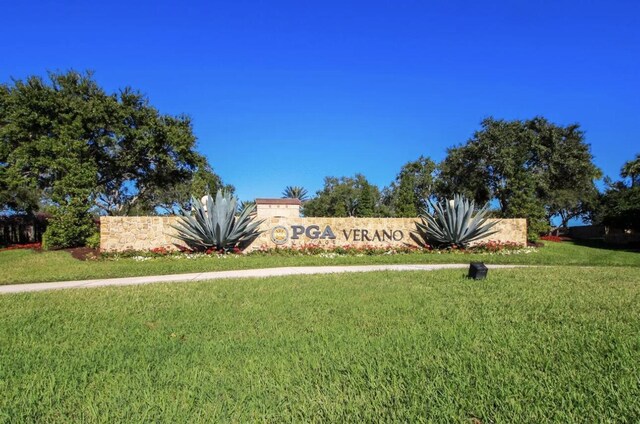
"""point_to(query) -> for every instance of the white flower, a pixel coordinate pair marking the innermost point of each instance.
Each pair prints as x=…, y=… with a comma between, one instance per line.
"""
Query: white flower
x=141, y=258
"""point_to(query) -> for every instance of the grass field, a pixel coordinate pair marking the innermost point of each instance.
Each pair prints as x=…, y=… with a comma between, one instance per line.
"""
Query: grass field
x=553, y=344
x=26, y=266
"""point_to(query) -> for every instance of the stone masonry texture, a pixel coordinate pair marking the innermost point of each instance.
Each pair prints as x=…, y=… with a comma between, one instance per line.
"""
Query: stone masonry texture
x=119, y=234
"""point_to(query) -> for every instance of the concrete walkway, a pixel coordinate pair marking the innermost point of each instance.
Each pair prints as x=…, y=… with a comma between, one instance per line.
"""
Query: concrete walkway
x=217, y=275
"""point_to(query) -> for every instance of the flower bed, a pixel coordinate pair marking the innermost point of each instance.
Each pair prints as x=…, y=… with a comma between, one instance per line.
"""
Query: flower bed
x=316, y=249
x=488, y=248
x=555, y=239
x=36, y=246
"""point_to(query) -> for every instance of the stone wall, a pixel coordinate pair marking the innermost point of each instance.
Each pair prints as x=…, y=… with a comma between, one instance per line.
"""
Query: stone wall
x=147, y=232
x=122, y=233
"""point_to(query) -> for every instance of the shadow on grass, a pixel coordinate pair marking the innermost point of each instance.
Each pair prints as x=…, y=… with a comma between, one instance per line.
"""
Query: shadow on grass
x=600, y=244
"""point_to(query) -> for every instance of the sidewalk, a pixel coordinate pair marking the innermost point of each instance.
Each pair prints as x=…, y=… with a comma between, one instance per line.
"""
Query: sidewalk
x=217, y=275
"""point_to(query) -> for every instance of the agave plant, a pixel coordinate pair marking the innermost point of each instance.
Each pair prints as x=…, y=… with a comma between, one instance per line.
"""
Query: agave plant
x=453, y=223
x=215, y=224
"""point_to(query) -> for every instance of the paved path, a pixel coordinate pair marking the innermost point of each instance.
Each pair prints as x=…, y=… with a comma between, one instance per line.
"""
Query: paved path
x=217, y=275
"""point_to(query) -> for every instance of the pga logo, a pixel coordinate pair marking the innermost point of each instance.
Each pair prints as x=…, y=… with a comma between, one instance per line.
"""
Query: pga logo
x=280, y=234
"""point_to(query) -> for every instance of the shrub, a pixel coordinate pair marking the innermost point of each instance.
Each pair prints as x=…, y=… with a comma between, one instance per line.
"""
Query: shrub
x=93, y=241
x=68, y=227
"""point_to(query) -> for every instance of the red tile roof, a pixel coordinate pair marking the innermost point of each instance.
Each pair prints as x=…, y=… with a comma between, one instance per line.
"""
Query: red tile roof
x=278, y=202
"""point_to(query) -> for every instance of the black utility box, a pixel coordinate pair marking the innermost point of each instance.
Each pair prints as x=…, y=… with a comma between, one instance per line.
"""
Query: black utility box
x=478, y=271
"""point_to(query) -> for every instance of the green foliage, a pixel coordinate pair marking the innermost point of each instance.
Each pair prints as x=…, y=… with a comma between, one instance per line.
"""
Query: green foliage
x=244, y=204
x=454, y=223
x=524, y=203
x=405, y=199
x=620, y=206
x=177, y=194
x=343, y=197
x=66, y=140
x=93, y=241
x=631, y=170
x=366, y=200
x=215, y=225
x=69, y=226
x=552, y=162
x=408, y=194
x=295, y=192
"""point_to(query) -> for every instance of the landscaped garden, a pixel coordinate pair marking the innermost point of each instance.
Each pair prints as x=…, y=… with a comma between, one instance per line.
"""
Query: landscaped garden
x=554, y=342
x=551, y=344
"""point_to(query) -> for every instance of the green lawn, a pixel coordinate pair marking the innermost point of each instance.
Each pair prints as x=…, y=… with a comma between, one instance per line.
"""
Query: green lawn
x=550, y=344
x=19, y=266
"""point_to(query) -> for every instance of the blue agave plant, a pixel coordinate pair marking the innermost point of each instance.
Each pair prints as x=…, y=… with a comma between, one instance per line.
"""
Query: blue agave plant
x=454, y=223
x=217, y=224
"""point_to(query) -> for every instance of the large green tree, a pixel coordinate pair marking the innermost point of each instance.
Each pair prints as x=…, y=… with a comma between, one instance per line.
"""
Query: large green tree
x=620, y=203
x=531, y=168
x=631, y=170
x=344, y=196
x=67, y=144
x=178, y=196
x=407, y=196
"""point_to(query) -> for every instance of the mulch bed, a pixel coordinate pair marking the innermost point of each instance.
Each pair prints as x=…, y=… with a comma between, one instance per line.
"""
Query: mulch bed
x=84, y=253
x=80, y=253
x=34, y=246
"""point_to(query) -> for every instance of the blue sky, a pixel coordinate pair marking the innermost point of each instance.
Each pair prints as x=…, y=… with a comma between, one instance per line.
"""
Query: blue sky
x=288, y=92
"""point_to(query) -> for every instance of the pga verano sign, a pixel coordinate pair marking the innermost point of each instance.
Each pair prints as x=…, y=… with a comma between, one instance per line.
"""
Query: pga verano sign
x=282, y=234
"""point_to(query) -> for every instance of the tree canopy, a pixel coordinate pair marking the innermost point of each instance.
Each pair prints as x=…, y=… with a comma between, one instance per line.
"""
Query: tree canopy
x=407, y=196
x=631, y=170
x=344, y=196
x=531, y=168
x=620, y=203
x=67, y=140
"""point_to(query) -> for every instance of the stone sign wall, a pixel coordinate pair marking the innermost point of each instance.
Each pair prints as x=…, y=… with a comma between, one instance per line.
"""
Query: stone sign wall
x=122, y=233
x=146, y=232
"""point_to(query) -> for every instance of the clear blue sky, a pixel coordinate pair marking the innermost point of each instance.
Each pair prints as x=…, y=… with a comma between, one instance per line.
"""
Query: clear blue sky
x=287, y=92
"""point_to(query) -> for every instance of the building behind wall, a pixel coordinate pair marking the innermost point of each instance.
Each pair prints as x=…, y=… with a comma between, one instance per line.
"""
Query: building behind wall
x=280, y=208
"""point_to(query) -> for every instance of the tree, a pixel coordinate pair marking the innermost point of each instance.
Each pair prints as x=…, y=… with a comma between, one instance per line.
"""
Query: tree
x=526, y=167
x=620, y=203
x=178, y=196
x=620, y=206
x=345, y=196
x=295, y=192
x=244, y=204
x=631, y=170
x=366, y=200
x=66, y=143
x=408, y=194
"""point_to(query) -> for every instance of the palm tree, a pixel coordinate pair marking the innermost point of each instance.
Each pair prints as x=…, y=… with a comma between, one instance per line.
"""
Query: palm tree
x=295, y=192
x=631, y=169
x=243, y=204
